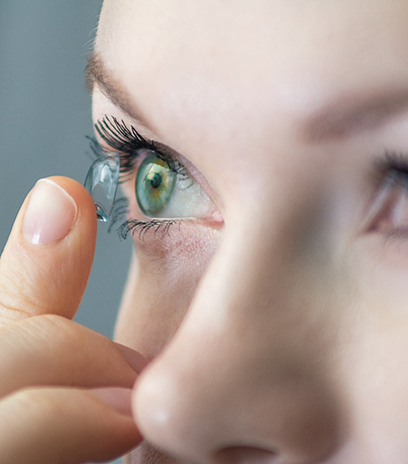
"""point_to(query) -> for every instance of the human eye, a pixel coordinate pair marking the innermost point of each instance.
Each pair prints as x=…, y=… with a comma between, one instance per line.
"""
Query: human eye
x=388, y=213
x=164, y=191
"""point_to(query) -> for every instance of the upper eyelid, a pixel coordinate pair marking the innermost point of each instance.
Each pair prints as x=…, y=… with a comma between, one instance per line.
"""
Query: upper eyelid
x=113, y=135
x=183, y=169
x=127, y=141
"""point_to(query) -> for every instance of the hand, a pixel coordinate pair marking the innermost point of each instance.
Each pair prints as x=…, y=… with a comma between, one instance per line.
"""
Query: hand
x=64, y=389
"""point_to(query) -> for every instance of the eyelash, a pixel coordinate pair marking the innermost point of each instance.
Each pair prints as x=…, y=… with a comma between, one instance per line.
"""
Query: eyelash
x=127, y=142
x=392, y=163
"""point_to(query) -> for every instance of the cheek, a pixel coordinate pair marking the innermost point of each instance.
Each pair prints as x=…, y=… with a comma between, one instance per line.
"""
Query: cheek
x=161, y=285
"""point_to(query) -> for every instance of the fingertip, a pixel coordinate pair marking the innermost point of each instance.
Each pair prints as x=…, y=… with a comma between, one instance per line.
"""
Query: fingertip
x=82, y=198
x=47, y=260
x=60, y=424
x=52, y=211
x=119, y=399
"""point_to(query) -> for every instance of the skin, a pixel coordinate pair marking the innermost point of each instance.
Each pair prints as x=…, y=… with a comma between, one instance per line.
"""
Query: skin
x=280, y=336
x=272, y=331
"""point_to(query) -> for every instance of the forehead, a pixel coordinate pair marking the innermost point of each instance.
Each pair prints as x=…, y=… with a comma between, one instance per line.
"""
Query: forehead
x=242, y=40
x=262, y=65
x=301, y=50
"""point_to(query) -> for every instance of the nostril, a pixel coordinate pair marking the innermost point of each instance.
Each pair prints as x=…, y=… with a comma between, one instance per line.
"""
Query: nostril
x=245, y=455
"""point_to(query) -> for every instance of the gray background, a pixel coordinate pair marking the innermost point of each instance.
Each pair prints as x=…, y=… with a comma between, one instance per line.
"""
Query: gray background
x=45, y=113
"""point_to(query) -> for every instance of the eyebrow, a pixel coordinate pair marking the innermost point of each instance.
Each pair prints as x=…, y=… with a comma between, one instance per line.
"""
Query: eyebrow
x=337, y=120
x=353, y=114
x=96, y=72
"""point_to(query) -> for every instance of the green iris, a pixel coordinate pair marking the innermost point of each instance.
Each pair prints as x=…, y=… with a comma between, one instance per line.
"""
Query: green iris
x=155, y=183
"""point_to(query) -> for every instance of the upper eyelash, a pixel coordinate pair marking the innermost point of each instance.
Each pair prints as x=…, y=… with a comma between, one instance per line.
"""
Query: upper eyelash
x=127, y=141
x=392, y=162
x=388, y=168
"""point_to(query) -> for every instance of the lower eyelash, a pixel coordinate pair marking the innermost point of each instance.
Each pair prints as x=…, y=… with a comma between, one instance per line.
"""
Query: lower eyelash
x=142, y=227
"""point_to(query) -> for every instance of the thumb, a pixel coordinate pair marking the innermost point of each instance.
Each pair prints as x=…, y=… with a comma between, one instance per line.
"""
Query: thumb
x=46, y=262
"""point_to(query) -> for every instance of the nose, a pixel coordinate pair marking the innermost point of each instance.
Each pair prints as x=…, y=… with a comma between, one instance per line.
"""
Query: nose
x=225, y=414
x=243, y=380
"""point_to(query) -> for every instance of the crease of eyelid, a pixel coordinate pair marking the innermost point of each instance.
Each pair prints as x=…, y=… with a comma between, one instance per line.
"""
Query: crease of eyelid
x=96, y=72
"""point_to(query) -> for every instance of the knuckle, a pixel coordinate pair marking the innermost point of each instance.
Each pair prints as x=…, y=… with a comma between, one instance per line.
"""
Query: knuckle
x=19, y=298
x=53, y=330
x=41, y=335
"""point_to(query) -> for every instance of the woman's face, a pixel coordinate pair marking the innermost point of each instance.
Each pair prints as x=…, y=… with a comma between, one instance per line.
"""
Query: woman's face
x=269, y=286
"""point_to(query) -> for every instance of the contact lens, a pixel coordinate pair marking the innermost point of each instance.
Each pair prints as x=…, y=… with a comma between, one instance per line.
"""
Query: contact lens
x=155, y=183
x=102, y=182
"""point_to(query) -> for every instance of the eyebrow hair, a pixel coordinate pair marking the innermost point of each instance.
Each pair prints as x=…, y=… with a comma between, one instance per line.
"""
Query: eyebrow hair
x=96, y=72
x=353, y=114
x=337, y=120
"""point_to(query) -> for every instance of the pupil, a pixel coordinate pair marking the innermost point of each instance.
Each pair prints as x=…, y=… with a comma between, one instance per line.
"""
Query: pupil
x=156, y=180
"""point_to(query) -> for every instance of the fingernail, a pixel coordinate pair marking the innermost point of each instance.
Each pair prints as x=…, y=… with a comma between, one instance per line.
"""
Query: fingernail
x=119, y=399
x=49, y=214
x=135, y=359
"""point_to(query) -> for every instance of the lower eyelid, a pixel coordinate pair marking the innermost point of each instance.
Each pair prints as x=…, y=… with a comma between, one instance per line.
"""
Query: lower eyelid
x=127, y=219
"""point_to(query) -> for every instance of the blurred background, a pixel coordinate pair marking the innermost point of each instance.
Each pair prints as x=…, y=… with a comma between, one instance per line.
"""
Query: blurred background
x=45, y=113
